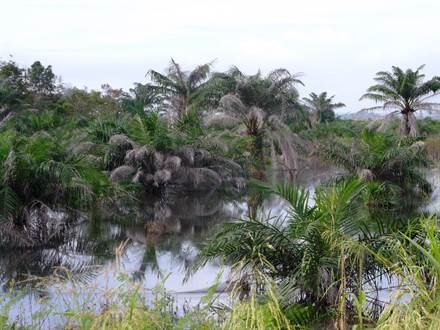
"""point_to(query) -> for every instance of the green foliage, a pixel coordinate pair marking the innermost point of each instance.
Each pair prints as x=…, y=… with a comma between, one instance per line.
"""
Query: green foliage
x=323, y=253
x=13, y=91
x=310, y=266
x=189, y=128
x=433, y=147
x=31, y=122
x=306, y=316
x=20, y=87
x=41, y=79
x=103, y=127
x=395, y=161
x=334, y=225
x=148, y=128
x=340, y=128
x=274, y=93
x=133, y=307
x=140, y=100
x=404, y=92
x=414, y=257
x=88, y=102
x=428, y=126
x=38, y=171
x=321, y=107
x=176, y=91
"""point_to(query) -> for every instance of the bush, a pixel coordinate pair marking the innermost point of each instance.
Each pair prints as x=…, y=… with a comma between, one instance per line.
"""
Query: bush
x=428, y=126
x=433, y=147
x=339, y=128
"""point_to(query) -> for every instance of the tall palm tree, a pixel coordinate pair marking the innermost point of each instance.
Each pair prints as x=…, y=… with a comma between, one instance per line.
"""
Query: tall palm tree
x=259, y=103
x=405, y=92
x=276, y=92
x=179, y=88
x=272, y=92
x=321, y=107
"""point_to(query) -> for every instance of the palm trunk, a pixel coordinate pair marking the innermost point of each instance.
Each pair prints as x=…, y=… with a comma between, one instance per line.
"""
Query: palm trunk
x=256, y=170
x=409, y=124
x=257, y=154
x=407, y=127
x=341, y=321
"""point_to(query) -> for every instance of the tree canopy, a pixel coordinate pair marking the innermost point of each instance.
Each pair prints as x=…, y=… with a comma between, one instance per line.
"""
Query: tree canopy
x=404, y=92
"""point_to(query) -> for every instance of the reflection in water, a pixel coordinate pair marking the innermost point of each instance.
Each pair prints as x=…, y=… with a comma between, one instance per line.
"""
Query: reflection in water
x=162, y=235
x=162, y=238
x=174, y=226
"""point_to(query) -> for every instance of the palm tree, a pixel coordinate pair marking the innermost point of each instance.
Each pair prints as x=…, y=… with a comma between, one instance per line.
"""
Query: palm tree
x=395, y=162
x=321, y=107
x=315, y=254
x=276, y=92
x=178, y=88
x=37, y=176
x=405, y=92
x=259, y=103
x=140, y=99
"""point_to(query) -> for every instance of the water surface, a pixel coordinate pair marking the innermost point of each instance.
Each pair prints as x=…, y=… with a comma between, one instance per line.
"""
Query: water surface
x=154, y=244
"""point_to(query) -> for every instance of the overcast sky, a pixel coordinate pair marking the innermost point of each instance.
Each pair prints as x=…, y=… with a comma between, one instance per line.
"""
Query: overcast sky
x=338, y=45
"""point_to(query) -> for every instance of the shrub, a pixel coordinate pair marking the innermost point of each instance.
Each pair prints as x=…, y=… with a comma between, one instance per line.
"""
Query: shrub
x=433, y=147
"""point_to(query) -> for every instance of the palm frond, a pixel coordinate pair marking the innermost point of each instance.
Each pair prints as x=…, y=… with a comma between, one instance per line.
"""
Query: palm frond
x=10, y=204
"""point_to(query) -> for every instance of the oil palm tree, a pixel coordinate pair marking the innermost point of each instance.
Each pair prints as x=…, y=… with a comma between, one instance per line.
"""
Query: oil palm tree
x=178, y=88
x=259, y=103
x=404, y=92
x=36, y=176
x=321, y=107
x=396, y=162
x=314, y=253
x=276, y=92
x=140, y=99
x=259, y=125
x=273, y=92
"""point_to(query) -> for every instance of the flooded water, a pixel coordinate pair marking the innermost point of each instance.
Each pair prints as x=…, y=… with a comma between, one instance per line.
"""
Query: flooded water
x=155, y=244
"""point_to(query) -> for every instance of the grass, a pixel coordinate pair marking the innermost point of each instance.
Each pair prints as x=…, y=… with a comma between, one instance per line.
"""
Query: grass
x=131, y=306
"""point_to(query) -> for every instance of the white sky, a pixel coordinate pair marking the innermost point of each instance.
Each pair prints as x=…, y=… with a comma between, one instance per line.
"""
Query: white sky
x=338, y=45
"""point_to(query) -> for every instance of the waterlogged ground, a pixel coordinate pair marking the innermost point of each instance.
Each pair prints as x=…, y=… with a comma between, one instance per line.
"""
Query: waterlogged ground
x=105, y=252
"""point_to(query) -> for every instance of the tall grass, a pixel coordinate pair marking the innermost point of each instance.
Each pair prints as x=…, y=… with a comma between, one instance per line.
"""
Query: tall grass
x=415, y=259
x=131, y=306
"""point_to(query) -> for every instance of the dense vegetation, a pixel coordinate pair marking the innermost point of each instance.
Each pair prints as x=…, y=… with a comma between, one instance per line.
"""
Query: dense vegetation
x=71, y=151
